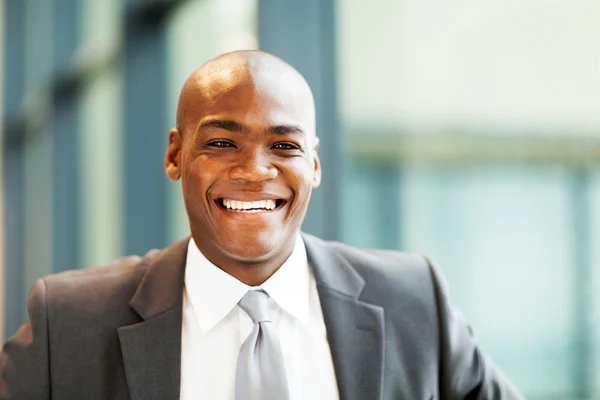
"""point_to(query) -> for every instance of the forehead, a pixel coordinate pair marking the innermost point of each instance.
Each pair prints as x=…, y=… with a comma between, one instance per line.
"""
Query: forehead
x=255, y=96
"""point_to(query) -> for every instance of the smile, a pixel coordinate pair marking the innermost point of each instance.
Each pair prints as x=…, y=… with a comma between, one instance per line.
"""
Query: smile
x=259, y=206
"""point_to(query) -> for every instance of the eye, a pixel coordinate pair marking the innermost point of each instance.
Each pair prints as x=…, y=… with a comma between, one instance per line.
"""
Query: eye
x=285, y=146
x=221, y=143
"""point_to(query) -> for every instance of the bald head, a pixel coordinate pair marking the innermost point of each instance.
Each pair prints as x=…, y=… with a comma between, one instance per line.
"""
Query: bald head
x=252, y=69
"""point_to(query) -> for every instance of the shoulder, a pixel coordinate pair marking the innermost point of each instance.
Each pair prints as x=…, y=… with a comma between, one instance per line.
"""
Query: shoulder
x=379, y=261
x=118, y=271
x=95, y=289
x=383, y=264
x=391, y=277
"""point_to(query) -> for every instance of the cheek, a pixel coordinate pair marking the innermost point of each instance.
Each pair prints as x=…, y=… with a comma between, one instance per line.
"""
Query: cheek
x=201, y=168
x=300, y=176
x=198, y=175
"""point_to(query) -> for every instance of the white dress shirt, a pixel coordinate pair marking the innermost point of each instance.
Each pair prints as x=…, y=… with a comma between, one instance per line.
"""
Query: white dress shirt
x=214, y=328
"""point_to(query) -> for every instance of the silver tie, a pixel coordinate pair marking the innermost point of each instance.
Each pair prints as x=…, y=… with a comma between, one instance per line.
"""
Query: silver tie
x=260, y=373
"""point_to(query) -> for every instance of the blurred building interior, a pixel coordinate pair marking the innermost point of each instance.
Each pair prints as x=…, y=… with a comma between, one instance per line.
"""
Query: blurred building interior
x=468, y=131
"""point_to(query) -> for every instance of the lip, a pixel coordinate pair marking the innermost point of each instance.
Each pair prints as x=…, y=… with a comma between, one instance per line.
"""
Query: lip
x=249, y=216
x=250, y=196
x=282, y=203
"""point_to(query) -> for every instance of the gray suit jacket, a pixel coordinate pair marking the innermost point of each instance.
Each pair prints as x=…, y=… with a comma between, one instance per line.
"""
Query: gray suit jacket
x=114, y=332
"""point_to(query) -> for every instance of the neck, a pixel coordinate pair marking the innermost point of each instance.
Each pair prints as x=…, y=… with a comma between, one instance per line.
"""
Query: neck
x=251, y=275
x=252, y=272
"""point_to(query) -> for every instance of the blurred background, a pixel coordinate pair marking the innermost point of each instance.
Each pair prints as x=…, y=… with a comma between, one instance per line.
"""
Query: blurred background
x=465, y=130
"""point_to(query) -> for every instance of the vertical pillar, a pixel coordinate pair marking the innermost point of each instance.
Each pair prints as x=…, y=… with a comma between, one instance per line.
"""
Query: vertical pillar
x=388, y=178
x=582, y=354
x=145, y=129
x=65, y=127
x=13, y=165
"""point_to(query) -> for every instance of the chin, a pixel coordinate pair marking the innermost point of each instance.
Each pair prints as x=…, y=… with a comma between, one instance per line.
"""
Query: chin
x=251, y=248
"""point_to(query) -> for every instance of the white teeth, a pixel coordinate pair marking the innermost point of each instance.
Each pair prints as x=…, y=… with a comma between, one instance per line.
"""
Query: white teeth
x=249, y=206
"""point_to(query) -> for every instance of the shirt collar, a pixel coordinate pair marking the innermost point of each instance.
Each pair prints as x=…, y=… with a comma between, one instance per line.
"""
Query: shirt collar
x=213, y=293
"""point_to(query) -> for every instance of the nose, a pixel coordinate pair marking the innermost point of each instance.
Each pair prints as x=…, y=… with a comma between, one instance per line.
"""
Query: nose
x=253, y=166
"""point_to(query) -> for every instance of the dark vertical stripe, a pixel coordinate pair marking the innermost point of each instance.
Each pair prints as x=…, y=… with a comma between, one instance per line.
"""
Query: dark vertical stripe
x=65, y=205
x=65, y=124
x=145, y=135
x=14, y=86
x=387, y=187
x=582, y=354
x=66, y=34
x=302, y=33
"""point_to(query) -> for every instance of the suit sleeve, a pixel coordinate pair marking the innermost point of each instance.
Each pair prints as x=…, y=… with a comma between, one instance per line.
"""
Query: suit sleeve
x=465, y=372
x=24, y=370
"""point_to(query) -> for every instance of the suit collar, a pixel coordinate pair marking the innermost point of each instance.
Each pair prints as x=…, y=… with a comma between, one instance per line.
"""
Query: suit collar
x=152, y=348
x=332, y=272
x=161, y=288
x=355, y=328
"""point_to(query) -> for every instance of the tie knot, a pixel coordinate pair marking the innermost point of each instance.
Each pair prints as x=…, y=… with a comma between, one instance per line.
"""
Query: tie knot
x=255, y=304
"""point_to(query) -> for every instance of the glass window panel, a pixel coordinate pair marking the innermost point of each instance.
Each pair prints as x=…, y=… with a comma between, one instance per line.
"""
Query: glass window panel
x=101, y=176
x=373, y=204
x=504, y=238
x=101, y=138
x=493, y=65
x=361, y=187
x=38, y=144
x=594, y=201
x=2, y=201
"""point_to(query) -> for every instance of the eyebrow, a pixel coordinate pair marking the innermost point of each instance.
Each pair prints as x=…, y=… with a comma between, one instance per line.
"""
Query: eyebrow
x=233, y=126
x=285, y=129
x=224, y=124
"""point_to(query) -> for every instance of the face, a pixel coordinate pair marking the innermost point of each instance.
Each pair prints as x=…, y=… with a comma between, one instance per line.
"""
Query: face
x=247, y=159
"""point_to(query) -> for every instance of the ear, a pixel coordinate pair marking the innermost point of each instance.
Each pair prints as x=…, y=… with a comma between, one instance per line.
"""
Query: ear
x=173, y=155
x=317, y=165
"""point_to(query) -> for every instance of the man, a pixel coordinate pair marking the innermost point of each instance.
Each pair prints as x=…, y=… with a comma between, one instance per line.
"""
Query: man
x=248, y=307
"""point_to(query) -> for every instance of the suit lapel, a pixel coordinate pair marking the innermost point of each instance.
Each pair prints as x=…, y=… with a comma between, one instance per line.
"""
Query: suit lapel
x=152, y=348
x=355, y=329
